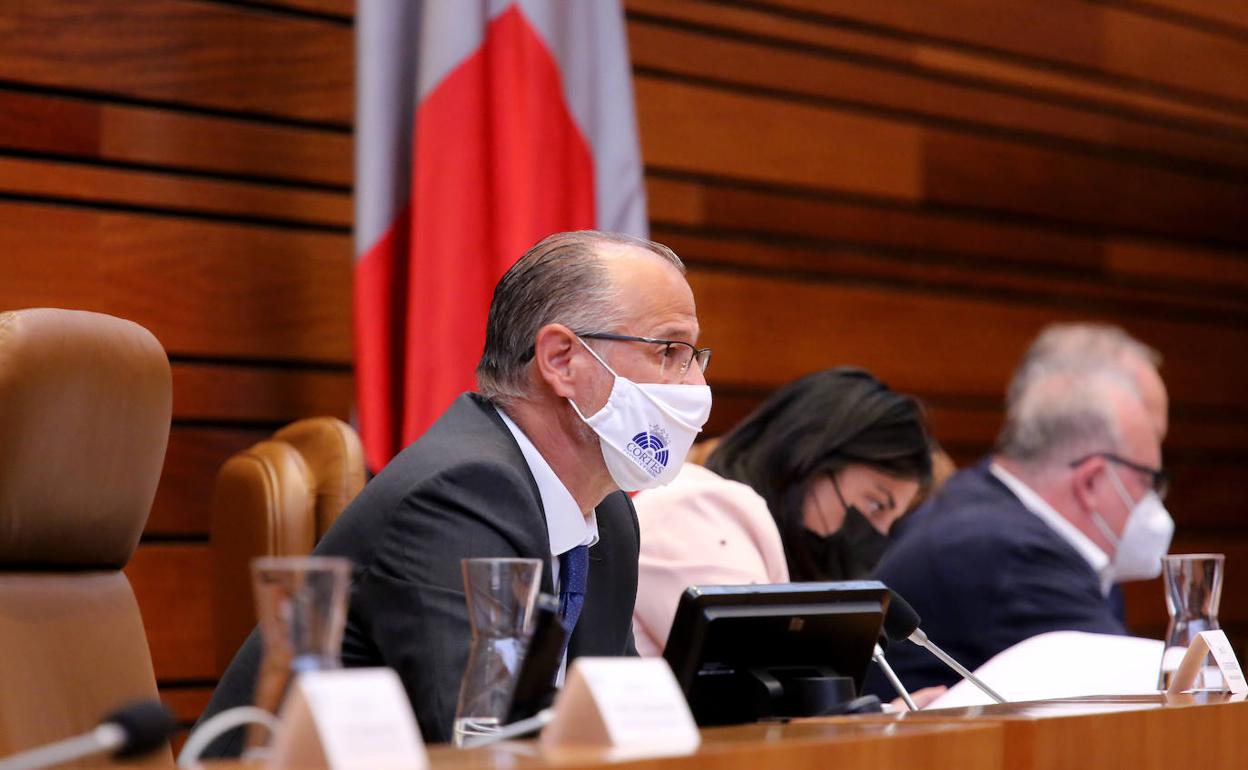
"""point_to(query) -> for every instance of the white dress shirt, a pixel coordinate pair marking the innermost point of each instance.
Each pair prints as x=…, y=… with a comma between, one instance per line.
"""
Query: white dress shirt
x=566, y=526
x=1083, y=545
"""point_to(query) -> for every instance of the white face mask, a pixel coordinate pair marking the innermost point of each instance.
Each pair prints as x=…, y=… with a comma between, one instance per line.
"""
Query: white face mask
x=646, y=429
x=1145, y=539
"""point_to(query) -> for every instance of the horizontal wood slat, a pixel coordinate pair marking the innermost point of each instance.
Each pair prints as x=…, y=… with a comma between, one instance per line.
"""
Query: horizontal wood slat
x=191, y=463
x=202, y=54
x=341, y=8
x=1229, y=16
x=172, y=192
x=85, y=129
x=704, y=130
x=202, y=288
x=271, y=396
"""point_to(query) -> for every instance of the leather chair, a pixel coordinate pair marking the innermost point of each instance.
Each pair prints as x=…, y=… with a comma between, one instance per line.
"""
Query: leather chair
x=85, y=405
x=275, y=498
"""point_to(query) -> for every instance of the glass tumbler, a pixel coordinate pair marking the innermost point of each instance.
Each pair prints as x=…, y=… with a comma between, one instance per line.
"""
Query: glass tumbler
x=501, y=595
x=1193, y=591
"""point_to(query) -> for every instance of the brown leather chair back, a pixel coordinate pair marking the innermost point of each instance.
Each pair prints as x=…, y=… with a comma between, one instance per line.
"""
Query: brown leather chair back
x=275, y=498
x=85, y=405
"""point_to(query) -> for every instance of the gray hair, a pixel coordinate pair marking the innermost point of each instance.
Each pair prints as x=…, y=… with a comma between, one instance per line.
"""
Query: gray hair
x=1063, y=416
x=1076, y=347
x=562, y=279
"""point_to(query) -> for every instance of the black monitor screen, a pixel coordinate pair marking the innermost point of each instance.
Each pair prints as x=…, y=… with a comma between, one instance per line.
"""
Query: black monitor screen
x=734, y=648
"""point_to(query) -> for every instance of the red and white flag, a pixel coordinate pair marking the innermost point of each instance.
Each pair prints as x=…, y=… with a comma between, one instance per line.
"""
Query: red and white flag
x=482, y=126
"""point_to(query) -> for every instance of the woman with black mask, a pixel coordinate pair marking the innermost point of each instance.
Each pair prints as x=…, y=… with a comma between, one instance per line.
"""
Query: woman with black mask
x=805, y=488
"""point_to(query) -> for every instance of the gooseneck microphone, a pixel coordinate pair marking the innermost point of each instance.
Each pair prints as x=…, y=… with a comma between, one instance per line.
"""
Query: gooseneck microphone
x=902, y=622
x=878, y=656
x=131, y=731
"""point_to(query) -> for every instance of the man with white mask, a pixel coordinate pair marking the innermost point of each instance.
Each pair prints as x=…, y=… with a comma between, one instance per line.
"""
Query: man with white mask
x=1032, y=539
x=590, y=383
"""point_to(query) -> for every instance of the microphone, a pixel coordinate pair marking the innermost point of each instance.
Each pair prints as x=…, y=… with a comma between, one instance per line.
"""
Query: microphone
x=135, y=729
x=878, y=657
x=902, y=622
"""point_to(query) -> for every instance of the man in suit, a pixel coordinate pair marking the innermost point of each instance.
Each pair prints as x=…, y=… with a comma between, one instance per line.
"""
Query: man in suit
x=589, y=345
x=1033, y=538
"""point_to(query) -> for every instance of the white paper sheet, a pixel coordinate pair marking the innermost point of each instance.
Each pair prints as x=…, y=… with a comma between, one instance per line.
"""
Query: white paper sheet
x=1063, y=664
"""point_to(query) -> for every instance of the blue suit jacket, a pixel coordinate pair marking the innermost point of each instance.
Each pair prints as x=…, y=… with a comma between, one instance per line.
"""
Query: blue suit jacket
x=984, y=573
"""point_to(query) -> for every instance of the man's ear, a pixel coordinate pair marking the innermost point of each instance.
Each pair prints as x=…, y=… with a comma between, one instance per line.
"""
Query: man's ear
x=1085, y=480
x=555, y=350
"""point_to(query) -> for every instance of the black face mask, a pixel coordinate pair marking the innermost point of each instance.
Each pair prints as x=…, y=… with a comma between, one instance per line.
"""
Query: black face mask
x=851, y=552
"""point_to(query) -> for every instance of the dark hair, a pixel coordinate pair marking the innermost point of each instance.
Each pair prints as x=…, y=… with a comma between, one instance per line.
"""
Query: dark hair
x=815, y=427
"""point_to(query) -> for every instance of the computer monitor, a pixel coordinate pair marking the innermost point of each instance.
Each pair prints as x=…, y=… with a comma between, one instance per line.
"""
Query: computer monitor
x=745, y=653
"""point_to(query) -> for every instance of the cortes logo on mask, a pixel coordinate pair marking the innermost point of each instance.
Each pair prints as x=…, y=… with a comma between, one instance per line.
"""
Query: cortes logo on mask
x=646, y=429
x=649, y=448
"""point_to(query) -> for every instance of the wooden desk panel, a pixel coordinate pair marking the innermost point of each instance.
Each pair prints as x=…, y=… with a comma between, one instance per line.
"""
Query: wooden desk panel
x=1130, y=732
x=795, y=746
x=1136, y=732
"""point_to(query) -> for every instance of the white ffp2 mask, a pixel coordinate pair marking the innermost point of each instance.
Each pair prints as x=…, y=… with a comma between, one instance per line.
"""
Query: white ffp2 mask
x=646, y=429
x=1145, y=539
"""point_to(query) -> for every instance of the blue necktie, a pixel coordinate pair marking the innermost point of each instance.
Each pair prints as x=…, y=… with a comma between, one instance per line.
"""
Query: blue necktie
x=573, y=573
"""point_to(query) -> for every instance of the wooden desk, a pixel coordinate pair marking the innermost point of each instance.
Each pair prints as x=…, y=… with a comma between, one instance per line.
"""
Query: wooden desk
x=1131, y=732
x=808, y=744
x=1150, y=732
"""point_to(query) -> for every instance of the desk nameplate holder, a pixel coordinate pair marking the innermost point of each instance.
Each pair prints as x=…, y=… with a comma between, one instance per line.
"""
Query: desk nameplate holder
x=630, y=705
x=348, y=719
x=1207, y=643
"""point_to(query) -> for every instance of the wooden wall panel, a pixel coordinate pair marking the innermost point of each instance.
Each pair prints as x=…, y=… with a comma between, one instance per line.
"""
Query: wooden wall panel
x=171, y=584
x=698, y=130
x=204, y=288
x=915, y=186
x=173, y=193
x=1228, y=17
x=1108, y=41
x=201, y=54
x=806, y=73
x=187, y=164
x=191, y=463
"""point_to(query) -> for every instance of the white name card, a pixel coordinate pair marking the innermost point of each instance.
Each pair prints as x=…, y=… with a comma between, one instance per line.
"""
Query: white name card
x=348, y=719
x=1216, y=644
x=630, y=704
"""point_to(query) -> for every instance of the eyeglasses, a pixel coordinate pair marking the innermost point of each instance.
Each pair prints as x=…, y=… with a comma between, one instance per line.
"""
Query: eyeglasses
x=676, y=356
x=1159, y=479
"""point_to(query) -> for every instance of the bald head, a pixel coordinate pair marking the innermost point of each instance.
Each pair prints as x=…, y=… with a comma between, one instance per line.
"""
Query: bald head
x=570, y=278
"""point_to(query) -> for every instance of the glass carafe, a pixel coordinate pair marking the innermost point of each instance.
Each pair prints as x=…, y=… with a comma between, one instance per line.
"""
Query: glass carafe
x=301, y=602
x=501, y=594
x=1193, y=591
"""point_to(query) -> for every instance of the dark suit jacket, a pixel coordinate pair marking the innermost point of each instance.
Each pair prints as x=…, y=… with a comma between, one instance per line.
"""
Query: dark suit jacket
x=462, y=490
x=984, y=573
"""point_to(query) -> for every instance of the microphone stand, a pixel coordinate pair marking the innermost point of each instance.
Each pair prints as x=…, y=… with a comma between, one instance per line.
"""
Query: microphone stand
x=920, y=638
x=878, y=657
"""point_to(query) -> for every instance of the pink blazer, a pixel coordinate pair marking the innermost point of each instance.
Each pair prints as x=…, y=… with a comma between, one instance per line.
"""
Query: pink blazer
x=701, y=529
